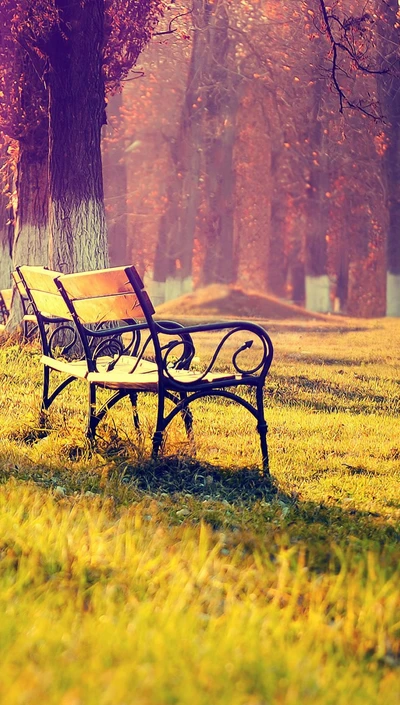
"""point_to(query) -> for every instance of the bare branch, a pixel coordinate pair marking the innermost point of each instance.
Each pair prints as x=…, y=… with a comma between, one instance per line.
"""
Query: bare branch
x=346, y=45
x=170, y=30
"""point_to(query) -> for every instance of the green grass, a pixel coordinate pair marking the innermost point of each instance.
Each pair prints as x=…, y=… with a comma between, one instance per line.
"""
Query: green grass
x=191, y=580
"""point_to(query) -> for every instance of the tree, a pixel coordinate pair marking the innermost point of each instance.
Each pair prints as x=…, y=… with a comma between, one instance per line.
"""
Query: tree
x=389, y=96
x=75, y=50
x=6, y=218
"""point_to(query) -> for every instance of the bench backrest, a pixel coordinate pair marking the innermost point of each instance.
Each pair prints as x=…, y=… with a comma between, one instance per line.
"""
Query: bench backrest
x=114, y=294
x=40, y=286
x=7, y=296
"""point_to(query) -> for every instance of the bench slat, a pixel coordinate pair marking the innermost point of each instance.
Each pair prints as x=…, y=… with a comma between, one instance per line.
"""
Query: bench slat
x=50, y=304
x=108, y=308
x=104, y=282
x=7, y=296
x=40, y=279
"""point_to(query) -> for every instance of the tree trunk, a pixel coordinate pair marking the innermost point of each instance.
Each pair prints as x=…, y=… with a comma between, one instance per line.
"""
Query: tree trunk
x=115, y=183
x=317, y=212
x=222, y=102
x=219, y=262
x=6, y=238
x=389, y=97
x=174, y=250
x=78, y=239
x=31, y=238
x=277, y=266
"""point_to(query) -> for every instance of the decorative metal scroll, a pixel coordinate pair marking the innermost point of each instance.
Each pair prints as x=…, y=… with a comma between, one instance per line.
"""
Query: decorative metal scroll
x=63, y=346
x=239, y=368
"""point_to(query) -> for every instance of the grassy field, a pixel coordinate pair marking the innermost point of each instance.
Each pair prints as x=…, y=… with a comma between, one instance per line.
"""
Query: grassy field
x=192, y=580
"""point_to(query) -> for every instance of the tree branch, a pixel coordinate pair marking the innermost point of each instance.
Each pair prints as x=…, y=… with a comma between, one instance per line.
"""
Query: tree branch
x=346, y=45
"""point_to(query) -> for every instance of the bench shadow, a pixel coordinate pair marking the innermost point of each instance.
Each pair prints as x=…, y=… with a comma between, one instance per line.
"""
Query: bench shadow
x=241, y=501
x=175, y=475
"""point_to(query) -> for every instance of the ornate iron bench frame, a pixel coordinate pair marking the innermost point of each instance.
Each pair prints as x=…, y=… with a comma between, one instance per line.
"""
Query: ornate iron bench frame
x=127, y=351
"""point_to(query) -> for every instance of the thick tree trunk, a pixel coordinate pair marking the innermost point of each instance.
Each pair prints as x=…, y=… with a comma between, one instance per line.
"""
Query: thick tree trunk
x=219, y=262
x=31, y=228
x=174, y=251
x=115, y=183
x=78, y=239
x=389, y=97
x=222, y=102
x=31, y=237
x=6, y=239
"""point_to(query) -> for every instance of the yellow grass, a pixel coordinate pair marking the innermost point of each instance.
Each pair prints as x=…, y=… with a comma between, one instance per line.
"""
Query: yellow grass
x=122, y=581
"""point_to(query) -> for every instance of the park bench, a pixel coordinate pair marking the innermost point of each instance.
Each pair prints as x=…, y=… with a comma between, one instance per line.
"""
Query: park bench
x=29, y=324
x=126, y=350
x=62, y=351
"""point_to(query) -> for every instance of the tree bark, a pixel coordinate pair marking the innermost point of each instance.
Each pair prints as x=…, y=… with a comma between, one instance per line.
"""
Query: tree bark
x=389, y=97
x=78, y=239
x=222, y=102
x=174, y=250
x=277, y=265
x=317, y=211
x=115, y=183
x=6, y=239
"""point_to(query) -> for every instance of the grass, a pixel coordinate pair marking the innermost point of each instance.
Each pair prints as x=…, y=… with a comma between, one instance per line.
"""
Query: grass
x=192, y=580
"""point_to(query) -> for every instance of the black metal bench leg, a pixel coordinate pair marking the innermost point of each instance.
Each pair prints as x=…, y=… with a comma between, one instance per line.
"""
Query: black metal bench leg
x=45, y=397
x=262, y=429
x=92, y=418
x=136, y=421
x=187, y=417
x=159, y=432
x=157, y=443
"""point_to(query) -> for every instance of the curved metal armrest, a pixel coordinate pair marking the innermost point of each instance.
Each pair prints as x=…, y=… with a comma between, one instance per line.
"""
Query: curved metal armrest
x=109, y=339
x=232, y=327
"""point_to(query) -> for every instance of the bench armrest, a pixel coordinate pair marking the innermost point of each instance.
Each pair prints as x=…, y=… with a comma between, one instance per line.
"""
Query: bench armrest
x=229, y=329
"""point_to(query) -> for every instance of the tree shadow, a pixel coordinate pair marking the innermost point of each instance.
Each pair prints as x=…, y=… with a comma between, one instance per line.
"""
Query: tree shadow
x=298, y=391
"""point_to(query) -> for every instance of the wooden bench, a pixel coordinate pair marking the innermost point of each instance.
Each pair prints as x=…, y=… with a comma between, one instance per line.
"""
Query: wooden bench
x=62, y=349
x=29, y=324
x=127, y=351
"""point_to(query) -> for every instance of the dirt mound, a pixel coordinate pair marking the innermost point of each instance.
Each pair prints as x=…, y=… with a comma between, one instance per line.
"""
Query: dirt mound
x=218, y=300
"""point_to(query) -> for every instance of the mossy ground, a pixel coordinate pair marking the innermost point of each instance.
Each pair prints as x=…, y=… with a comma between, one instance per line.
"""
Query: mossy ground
x=193, y=580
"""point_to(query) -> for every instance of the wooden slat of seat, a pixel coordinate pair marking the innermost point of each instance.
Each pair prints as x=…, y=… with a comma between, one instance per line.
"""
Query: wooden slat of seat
x=103, y=282
x=145, y=381
x=76, y=368
x=117, y=379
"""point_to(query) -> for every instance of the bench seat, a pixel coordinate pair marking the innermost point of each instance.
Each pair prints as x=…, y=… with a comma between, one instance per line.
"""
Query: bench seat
x=79, y=368
x=149, y=380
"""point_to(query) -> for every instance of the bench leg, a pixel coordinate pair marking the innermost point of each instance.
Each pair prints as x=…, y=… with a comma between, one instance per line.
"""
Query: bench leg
x=157, y=443
x=45, y=397
x=262, y=429
x=92, y=418
x=136, y=422
x=187, y=417
x=160, y=426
